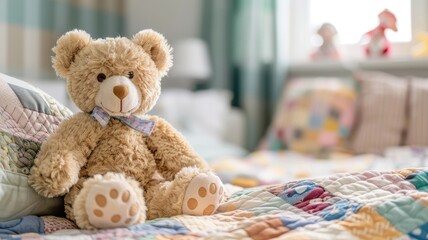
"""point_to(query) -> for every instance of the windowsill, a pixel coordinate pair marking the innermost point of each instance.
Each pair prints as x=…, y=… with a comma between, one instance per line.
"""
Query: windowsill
x=366, y=64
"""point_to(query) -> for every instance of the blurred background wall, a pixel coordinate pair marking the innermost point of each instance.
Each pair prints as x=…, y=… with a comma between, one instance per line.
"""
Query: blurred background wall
x=242, y=40
x=246, y=47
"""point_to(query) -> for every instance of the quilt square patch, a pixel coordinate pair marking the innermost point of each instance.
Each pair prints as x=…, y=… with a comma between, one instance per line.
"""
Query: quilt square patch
x=404, y=213
x=367, y=224
x=340, y=210
x=31, y=100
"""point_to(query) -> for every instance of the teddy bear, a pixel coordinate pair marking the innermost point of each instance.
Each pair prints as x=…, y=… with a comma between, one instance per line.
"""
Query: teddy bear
x=116, y=165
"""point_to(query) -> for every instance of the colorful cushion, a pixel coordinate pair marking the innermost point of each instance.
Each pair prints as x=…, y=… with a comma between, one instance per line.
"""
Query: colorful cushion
x=27, y=117
x=382, y=112
x=417, y=131
x=315, y=116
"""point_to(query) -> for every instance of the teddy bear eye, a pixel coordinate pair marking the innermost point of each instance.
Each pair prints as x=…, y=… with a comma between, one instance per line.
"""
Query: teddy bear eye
x=130, y=74
x=101, y=77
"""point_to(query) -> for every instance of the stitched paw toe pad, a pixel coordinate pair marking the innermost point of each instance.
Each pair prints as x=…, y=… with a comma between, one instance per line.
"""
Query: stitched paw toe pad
x=112, y=204
x=203, y=195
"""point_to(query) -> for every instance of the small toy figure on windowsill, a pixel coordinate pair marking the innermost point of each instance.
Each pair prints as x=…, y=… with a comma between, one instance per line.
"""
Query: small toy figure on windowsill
x=327, y=50
x=375, y=42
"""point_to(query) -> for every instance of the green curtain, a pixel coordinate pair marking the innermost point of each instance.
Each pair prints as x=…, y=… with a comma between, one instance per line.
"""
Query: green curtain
x=249, y=55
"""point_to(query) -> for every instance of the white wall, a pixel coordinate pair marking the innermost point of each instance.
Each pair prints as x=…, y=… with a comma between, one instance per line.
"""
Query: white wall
x=176, y=20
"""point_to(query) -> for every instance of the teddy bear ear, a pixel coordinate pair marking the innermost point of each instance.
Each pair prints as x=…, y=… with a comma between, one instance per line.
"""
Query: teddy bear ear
x=157, y=47
x=66, y=49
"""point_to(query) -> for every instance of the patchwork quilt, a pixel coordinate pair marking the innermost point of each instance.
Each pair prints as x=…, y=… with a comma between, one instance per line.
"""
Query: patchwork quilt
x=366, y=205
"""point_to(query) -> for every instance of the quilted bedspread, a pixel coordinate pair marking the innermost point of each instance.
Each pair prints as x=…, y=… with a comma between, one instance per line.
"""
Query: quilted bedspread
x=366, y=205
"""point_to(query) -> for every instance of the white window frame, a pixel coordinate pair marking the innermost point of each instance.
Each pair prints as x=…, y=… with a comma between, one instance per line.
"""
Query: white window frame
x=301, y=33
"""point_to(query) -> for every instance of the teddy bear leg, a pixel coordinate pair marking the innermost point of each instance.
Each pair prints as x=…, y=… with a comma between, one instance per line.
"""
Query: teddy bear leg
x=108, y=201
x=70, y=197
x=193, y=192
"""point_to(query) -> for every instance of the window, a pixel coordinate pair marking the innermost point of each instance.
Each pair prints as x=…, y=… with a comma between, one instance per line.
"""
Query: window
x=353, y=18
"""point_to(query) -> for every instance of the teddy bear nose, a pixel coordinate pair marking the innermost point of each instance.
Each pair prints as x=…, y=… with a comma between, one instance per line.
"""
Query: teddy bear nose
x=121, y=91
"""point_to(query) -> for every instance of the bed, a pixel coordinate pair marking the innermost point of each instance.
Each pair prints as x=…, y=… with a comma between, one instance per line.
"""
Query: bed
x=371, y=204
x=366, y=205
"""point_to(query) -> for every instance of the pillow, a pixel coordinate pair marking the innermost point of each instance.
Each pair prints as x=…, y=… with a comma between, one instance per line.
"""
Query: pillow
x=27, y=117
x=417, y=131
x=315, y=116
x=382, y=112
x=203, y=112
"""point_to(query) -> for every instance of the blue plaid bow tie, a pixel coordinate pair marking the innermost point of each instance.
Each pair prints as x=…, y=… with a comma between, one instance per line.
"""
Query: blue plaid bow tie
x=142, y=125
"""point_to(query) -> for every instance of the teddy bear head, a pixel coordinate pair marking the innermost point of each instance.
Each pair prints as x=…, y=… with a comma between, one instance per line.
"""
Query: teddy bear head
x=120, y=75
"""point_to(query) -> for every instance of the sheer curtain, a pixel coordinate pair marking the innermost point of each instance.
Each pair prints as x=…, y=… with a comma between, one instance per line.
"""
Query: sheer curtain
x=30, y=28
x=249, y=46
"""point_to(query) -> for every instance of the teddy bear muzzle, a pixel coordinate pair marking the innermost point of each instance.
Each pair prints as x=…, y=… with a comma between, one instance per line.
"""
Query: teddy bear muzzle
x=118, y=96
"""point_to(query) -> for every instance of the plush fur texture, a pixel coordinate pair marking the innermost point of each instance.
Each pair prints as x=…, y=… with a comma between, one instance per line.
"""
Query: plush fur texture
x=81, y=148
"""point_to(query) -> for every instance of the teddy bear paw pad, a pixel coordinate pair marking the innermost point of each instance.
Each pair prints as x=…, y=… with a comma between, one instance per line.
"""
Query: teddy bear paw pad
x=203, y=195
x=112, y=204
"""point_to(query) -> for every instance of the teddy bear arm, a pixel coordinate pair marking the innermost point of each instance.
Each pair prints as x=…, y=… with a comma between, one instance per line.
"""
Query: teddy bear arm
x=61, y=157
x=171, y=151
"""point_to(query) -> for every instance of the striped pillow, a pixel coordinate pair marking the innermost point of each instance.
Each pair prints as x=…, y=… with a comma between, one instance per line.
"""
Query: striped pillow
x=417, y=132
x=382, y=112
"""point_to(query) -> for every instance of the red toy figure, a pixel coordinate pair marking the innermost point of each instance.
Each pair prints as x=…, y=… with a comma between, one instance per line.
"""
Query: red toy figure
x=378, y=45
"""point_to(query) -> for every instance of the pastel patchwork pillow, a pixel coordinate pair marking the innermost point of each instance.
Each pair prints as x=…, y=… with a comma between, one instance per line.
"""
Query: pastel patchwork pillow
x=27, y=117
x=315, y=116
